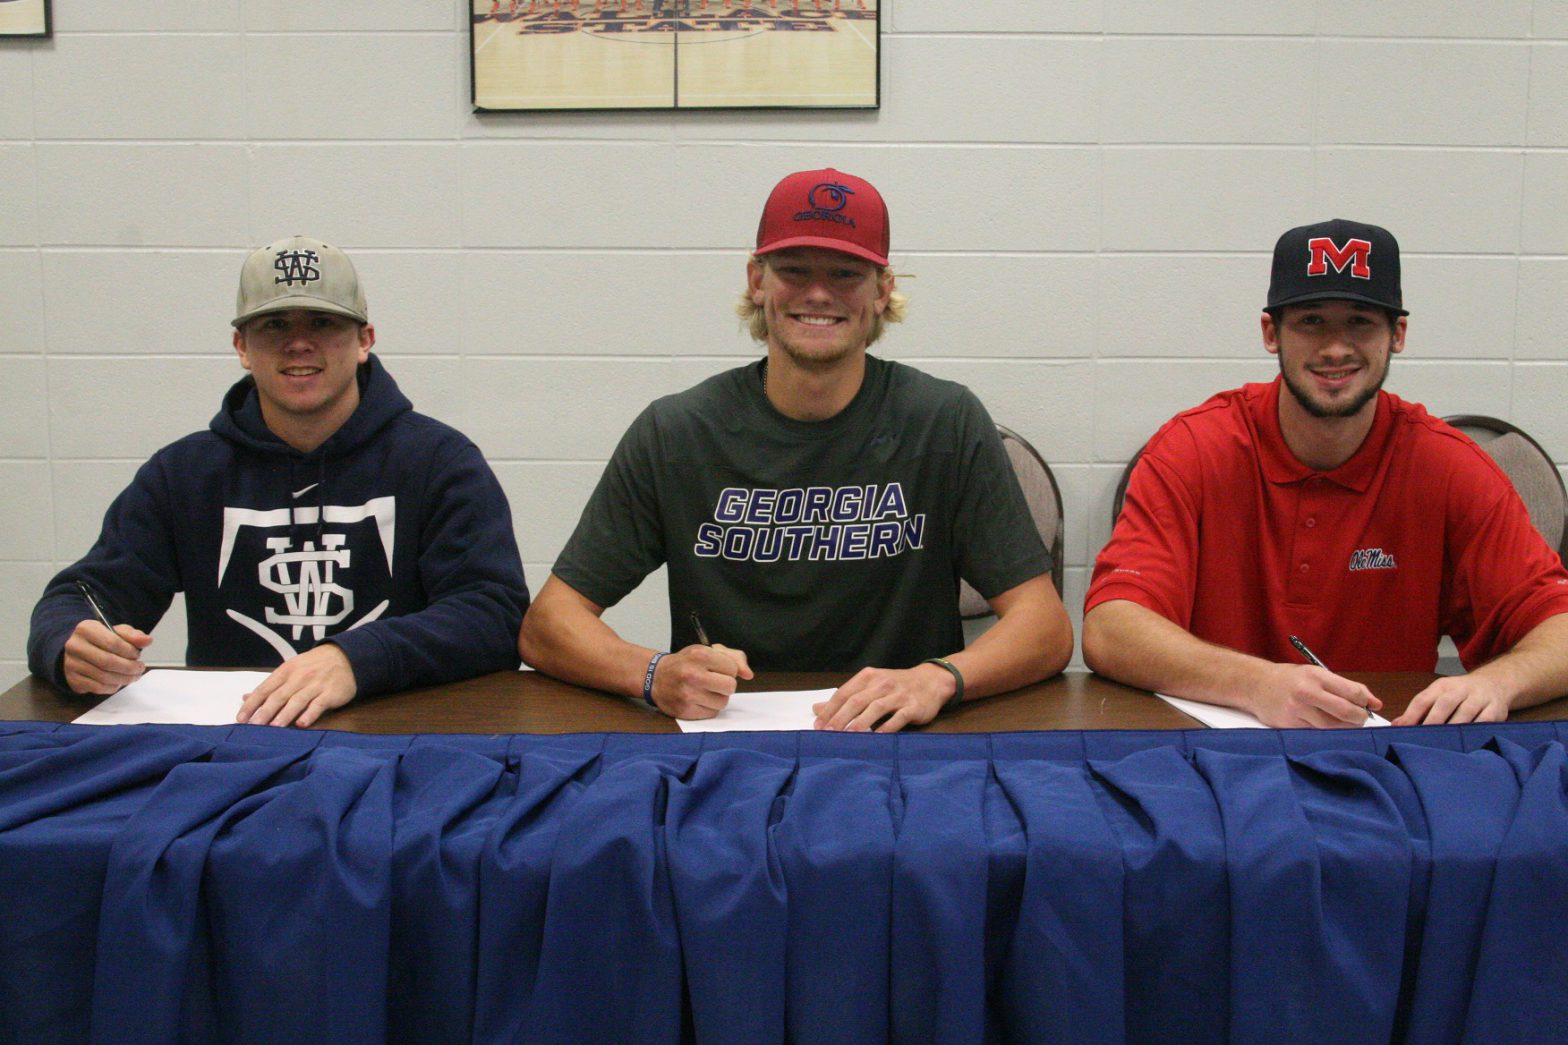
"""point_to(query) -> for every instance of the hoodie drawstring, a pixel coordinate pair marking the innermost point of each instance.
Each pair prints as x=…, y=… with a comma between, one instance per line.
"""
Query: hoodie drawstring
x=319, y=488
x=321, y=497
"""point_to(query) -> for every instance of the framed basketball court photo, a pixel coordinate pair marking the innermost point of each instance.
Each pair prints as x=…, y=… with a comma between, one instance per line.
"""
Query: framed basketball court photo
x=24, y=17
x=675, y=54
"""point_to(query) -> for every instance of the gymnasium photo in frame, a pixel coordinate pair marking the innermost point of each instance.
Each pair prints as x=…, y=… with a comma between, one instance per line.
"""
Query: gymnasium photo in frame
x=24, y=17
x=674, y=54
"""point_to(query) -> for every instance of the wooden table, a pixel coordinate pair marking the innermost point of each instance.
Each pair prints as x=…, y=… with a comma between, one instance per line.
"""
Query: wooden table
x=527, y=702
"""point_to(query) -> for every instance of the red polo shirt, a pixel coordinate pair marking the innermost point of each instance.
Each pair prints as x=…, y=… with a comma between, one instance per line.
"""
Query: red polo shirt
x=1418, y=535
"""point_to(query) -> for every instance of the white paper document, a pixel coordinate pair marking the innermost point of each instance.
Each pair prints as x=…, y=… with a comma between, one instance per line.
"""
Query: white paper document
x=779, y=709
x=1216, y=717
x=201, y=698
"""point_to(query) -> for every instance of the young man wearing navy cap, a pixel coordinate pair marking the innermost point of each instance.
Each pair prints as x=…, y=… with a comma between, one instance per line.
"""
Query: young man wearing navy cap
x=1321, y=507
x=815, y=509
x=319, y=528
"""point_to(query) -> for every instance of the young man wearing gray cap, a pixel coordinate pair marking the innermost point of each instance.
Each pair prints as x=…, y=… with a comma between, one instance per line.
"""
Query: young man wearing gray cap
x=815, y=510
x=1320, y=509
x=319, y=527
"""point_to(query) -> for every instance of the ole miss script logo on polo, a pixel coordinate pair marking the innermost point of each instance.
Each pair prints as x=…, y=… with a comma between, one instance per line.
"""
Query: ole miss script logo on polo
x=1371, y=559
x=1355, y=255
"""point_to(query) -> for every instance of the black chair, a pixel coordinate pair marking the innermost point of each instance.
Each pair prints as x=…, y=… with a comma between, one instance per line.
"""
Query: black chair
x=1121, y=487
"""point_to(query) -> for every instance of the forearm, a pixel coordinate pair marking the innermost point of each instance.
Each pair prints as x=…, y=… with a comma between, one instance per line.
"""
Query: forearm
x=456, y=637
x=564, y=636
x=52, y=624
x=1134, y=645
x=471, y=592
x=1536, y=669
x=132, y=569
x=1032, y=639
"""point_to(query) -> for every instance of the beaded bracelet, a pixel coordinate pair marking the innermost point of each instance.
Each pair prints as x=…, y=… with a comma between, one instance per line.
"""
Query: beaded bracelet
x=647, y=680
x=958, y=677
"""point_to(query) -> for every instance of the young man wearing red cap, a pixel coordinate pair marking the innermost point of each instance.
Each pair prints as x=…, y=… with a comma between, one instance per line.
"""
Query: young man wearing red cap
x=320, y=528
x=1320, y=509
x=815, y=510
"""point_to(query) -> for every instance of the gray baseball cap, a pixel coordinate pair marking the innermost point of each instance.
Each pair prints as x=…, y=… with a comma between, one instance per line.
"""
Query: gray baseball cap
x=299, y=272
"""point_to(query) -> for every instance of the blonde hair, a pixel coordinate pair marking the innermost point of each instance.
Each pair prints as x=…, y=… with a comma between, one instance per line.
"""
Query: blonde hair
x=757, y=321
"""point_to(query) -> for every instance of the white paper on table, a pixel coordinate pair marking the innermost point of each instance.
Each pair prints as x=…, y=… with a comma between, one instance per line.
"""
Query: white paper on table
x=201, y=698
x=1217, y=717
x=778, y=709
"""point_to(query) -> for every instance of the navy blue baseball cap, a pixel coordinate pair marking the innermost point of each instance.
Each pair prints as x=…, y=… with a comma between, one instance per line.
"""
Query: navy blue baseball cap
x=1339, y=259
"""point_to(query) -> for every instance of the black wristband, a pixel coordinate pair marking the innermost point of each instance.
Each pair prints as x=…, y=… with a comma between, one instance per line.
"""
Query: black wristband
x=958, y=677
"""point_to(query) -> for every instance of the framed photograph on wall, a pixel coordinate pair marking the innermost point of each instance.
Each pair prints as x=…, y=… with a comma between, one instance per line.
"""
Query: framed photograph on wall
x=24, y=17
x=674, y=54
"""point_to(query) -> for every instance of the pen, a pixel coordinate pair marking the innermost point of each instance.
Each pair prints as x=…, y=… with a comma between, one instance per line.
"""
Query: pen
x=1312, y=658
x=696, y=623
x=92, y=603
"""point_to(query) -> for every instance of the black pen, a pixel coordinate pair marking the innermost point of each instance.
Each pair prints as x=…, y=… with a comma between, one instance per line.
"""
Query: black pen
x=696, y=623
x=92, y=603
x=1312, y=658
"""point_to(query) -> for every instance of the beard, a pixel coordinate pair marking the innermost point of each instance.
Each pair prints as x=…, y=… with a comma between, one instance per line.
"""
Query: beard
x=814, y=358
x=1350, y=407
x=810, y=355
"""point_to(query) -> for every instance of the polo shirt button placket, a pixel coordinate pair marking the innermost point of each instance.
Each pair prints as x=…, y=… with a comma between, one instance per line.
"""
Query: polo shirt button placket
x=1307, y=544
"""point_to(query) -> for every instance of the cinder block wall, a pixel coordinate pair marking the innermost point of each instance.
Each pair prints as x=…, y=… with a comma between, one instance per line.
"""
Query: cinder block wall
x=1085, y=192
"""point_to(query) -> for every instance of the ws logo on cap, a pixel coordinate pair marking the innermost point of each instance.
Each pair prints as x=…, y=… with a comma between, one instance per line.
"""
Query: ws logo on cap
x=1325, y=252
x=297, y=266
x=833, y=198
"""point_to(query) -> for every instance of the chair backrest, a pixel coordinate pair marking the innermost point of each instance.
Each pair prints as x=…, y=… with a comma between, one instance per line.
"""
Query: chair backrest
x=1045, y=507
x=1529, y=467
x=1121, y=487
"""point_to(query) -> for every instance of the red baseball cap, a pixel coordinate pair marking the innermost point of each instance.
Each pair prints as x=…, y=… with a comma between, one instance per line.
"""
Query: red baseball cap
x=825, y=208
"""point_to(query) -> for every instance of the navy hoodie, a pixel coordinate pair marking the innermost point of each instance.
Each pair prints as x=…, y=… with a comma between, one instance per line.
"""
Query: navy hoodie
x=392, y=539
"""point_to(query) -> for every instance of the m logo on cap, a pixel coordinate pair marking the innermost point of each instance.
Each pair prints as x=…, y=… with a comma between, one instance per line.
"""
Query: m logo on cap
x=833, y=198
x=297, y=266
x=1326, y=252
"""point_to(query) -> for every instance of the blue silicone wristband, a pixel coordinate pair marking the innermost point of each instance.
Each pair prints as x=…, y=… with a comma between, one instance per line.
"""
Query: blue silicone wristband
x=647, y=680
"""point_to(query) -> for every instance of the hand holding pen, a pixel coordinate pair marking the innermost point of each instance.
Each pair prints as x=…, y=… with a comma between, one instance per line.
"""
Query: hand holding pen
x=695, y=682
x=1329, y=699
x=100, y=657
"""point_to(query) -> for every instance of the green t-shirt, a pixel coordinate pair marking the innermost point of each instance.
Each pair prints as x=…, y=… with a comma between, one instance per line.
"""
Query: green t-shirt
x=812, y=546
